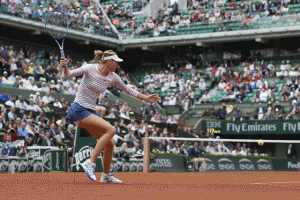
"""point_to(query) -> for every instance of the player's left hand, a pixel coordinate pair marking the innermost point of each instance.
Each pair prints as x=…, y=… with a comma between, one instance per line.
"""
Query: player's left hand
x=152, y=98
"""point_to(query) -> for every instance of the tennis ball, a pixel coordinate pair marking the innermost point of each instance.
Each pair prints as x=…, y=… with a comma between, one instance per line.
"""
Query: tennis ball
x=260, y=142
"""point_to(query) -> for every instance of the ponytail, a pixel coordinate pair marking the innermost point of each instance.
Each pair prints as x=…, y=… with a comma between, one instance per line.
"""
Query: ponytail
x=98, y=56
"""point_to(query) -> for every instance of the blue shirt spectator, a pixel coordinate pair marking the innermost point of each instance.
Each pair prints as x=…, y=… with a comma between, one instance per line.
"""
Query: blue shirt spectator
x=129, y=137
x=5, y=97
x=22, y=131
x=11, y=114
x=9, y=151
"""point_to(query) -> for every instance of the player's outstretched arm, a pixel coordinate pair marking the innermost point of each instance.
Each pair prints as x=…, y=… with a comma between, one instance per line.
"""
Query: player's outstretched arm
x=71, y=73
x=152, y=98
x=121, y=85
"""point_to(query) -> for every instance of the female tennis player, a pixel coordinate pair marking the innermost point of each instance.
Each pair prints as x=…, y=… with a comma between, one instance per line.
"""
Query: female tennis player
x=96, y=78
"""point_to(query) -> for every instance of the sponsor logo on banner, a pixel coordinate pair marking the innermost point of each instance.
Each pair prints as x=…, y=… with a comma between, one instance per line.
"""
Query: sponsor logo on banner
x=246, y=165
x=126, y=167
x=23, y=165
x=293, y=166
x=38, y=166
x=3, y=165
x=81, y=156
x=263, y=164
x=47, y=159
x=163, y=163
x=226, y=164
x=213, y=126
x=190, y=166
x=33, y=153
x=152, y=167
x=210, y=165
x=140, y=166
x=118, y=165
x=133, y=166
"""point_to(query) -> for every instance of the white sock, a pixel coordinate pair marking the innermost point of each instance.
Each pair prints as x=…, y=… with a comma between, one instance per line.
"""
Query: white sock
x=105, y=174
x=91, y=162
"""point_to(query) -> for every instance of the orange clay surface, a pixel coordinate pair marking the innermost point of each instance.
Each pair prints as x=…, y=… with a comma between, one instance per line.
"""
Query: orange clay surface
x=137, y=185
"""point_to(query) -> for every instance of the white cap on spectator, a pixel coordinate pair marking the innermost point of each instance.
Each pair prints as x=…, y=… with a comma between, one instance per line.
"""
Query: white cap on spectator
x=5, y=72
x=149, y=126
x=31, y=95
x=141, y=83
x=17, y=76
x=52, y=81
x=41, y=78
x=37, y=93
x=43, y=83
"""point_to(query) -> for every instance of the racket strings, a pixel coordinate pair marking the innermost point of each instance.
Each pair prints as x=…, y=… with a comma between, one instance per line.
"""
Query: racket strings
x=57, y=19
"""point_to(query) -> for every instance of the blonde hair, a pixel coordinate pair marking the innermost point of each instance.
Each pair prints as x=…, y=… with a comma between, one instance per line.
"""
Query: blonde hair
x=99, y=55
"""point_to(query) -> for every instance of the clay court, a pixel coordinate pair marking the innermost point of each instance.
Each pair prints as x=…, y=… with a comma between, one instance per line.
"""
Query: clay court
x=210, y=185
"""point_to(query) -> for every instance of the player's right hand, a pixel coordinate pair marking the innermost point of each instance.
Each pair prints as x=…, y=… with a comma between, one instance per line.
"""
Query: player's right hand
x=63, y=62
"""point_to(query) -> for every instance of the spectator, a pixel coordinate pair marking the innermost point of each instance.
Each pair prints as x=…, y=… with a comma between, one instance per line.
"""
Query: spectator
x=22, y=131
x=205, y=98
x=5, y=97
x=171, y=120
x=10, y=102
x=209, y=147
x=7, y=150
x=48, y=98
x=288, y=116
x=171, y=147
x=11, y=114
x=48, y=140
x=21, y=104
x=238, y=112
x=196, y=155
x=33, y=107
x=260, y=112
x=12, y=133
x=291, y=151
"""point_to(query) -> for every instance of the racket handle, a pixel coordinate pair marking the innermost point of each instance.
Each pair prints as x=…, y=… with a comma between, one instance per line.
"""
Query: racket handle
x=62, y=53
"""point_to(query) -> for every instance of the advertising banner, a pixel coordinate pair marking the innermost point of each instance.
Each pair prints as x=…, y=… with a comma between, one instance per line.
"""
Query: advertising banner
x=4, y=164
x=286, y=164
x=219, y=163
x=23, y=164
x=37, y=164
x=252, y=127
x=13, y=162
x=59, y=162
x=170, y=163
x=82, y=151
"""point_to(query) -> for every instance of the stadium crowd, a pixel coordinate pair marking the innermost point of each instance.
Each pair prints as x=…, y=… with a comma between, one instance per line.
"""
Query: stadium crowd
x=235, y=82
x=248, y=13
x=83, y=15
x=121, y=14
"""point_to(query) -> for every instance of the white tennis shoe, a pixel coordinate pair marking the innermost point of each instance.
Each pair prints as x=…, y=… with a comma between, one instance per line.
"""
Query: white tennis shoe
x=89, y=169
x=109, y=179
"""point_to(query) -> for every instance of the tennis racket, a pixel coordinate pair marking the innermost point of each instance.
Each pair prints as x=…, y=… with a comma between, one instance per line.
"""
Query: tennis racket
x=57, y=25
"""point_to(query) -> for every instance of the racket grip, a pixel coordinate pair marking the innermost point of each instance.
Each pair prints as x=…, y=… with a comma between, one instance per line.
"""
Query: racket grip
x=62, y=53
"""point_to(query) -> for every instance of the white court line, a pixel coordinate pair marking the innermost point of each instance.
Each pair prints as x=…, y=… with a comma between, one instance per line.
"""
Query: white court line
x=275, y=183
